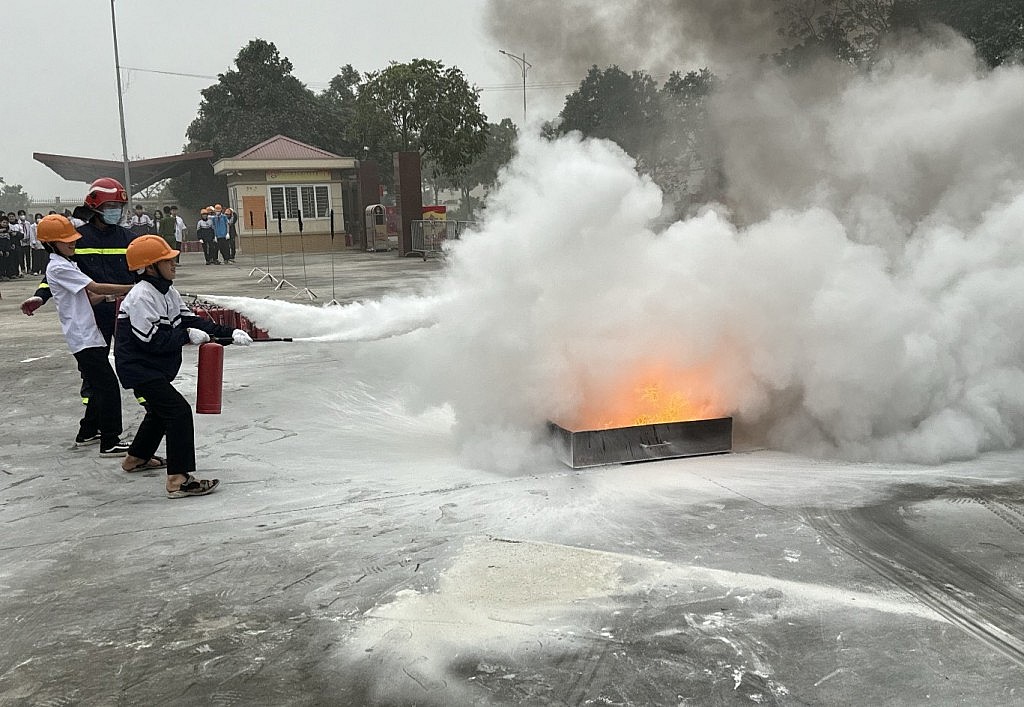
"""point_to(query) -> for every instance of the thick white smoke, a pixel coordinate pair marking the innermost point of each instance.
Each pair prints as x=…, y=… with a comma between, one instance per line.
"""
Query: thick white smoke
x=869, y=304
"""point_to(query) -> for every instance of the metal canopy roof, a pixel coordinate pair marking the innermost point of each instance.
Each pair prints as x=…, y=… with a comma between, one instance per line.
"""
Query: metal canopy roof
x=144, y=173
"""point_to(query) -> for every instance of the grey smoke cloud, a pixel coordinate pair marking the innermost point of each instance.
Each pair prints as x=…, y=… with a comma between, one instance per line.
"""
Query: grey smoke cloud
x=860, y=294
x=658, y=36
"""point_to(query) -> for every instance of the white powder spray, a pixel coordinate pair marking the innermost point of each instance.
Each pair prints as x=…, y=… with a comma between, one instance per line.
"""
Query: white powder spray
x=870, y=304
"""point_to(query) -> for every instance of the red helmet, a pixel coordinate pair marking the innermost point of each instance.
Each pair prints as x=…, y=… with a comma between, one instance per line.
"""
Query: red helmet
x=103, y=190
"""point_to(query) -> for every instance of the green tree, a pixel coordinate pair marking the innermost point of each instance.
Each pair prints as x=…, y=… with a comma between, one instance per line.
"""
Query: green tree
x=996, y=27
x=339, y=103
x=686, y=163
x=849, y=30
x=483, y=171
x=252, y=102
x=423, y=105
x=853, y=30
x=665, y=129
x=12, y=197
x=614, y=105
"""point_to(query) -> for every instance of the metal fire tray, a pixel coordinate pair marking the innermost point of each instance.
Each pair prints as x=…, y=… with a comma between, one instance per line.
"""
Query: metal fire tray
x=640, y=443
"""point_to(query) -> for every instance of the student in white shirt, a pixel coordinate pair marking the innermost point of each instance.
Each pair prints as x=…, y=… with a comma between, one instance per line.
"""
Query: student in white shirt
x=72, y=290
x=179, y=231
x=39, y=254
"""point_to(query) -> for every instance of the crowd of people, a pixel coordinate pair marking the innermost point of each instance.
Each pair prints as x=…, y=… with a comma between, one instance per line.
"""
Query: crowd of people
x=21, y=253
x=218, y=233
x=91, y=259
x=216, y=230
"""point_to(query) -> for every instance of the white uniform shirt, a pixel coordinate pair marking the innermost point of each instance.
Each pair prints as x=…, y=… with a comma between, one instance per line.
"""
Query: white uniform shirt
x=77, y=321
x=32, y=240
x=179, y=229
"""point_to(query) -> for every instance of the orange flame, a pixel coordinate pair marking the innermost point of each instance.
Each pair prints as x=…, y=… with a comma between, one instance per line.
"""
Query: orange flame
x=650, y=394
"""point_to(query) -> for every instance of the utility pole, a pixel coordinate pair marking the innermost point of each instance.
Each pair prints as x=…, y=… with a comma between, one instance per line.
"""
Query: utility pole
x=525, y=66
x=120, y=109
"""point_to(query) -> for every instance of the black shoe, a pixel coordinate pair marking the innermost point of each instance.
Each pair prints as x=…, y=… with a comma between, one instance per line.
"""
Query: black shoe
x=118, y=449
x=87, y=440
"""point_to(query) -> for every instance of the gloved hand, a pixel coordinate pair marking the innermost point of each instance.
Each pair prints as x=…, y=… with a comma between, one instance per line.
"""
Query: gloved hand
x=240, y=337
x=198, y=336
x=30, y=305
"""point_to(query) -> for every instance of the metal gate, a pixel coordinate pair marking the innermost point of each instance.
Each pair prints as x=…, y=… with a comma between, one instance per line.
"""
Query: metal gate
x=429, y=236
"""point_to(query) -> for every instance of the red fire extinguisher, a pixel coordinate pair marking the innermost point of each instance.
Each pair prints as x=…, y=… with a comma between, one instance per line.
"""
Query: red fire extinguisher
x=211, y=379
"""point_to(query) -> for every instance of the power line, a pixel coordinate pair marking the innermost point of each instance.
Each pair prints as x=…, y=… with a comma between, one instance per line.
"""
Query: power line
x=496, y=87
x=168, y=73
x=316, y=84
x=536, y=86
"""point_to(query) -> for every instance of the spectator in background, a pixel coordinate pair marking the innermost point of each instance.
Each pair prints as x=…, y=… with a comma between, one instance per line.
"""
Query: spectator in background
x=26, y=249
x=140, y=223
x=17, y=240
x=38, y=251
x=232, y=233
x=6, y=249
x=165, y=227
x=220, y=230
x=179, y=232
x=204, y=231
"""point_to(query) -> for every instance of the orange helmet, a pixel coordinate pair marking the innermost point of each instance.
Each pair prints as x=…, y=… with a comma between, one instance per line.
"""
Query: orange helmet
x=146, y=250
x=203, y=211
x=56, y=228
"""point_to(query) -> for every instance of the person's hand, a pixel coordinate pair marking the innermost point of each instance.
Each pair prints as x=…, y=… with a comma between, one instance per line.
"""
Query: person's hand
x=198, y=336
x=31, y=305
x=240, y=337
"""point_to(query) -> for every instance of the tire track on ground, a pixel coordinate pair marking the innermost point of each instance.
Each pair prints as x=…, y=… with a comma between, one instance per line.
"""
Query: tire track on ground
x=965, y=594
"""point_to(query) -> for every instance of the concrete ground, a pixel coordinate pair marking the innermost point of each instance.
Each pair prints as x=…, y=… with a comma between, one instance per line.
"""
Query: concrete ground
x=351, y=556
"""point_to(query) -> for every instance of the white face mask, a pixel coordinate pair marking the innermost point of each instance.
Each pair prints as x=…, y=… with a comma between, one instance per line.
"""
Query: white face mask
x=111, y=215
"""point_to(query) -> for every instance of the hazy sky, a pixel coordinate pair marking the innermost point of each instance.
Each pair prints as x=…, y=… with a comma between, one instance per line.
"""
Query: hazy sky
x=59, y=66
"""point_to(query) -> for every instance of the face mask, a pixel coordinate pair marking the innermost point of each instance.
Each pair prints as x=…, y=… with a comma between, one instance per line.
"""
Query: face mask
x=111, y=215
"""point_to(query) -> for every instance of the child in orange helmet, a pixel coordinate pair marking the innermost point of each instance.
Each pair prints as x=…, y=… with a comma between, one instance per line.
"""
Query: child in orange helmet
x=71, y=288
x=153, y=325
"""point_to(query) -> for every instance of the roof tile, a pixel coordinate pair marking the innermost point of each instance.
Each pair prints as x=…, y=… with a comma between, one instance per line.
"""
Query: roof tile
x=281, y=147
